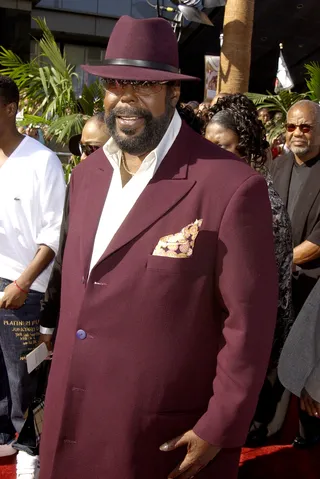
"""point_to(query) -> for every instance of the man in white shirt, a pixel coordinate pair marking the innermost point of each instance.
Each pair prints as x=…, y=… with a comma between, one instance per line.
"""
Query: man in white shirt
x=32, y=191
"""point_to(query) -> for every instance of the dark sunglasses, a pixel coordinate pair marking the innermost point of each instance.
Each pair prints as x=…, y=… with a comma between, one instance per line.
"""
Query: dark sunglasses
x=142, y=88
x=87, y=149
x=304, y=127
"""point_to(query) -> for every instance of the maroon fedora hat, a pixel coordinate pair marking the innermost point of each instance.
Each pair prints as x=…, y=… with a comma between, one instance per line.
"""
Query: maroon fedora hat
x=141, y=50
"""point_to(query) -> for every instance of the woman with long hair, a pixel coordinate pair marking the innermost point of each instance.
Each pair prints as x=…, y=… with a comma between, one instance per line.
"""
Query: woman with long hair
x=234, y=125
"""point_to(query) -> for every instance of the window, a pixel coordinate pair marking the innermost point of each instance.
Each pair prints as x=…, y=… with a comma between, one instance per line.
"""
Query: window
x=102, y=7
x=35, y=52
x=90, y=6
x=50, y=3
x=114, y=8
x=79, y=55
x=73, y=5
x=76, y=55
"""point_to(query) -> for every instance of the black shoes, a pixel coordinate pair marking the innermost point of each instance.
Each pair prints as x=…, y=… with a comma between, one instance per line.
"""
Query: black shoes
x=257, y=437
x=303, y=443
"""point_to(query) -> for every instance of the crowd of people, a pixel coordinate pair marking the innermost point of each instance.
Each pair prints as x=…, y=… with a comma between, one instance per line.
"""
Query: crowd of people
x=174, y=279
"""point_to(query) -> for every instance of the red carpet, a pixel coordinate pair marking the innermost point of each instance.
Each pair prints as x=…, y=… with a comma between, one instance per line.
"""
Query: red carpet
x=278, y=460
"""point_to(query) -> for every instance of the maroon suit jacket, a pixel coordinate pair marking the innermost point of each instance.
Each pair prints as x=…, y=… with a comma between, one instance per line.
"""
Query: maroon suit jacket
x=166, y=344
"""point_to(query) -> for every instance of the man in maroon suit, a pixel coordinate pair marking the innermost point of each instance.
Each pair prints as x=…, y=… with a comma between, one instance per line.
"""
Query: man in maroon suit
x=168, y=287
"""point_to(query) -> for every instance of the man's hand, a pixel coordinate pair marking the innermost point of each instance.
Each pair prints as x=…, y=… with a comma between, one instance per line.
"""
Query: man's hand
x=309, y=405
x=199, y=454
x=13, y=297
x=47, y=340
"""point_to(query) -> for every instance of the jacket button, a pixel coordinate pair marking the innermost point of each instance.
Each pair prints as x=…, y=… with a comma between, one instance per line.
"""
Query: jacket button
x=81, y=334
x=83, y=280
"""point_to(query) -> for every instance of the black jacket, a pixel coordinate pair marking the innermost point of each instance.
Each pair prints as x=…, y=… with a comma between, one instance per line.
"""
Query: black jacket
x=306, y=215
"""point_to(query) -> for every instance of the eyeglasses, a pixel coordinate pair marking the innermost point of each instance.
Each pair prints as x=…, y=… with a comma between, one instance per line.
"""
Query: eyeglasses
x=304, y=127
x=87, y=149
x=141, y=88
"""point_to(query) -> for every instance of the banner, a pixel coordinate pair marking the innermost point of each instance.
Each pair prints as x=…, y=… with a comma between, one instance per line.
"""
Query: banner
x=284, y=80
x=212, y=65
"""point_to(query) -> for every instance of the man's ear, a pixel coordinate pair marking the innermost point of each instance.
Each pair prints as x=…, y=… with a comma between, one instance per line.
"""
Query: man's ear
x=175, y=94
x=12, y=109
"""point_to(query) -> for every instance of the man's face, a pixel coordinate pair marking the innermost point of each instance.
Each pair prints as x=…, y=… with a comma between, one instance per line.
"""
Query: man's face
x=138, y=116
x=94, y=136
x=278, y=117
x=33, y=132
x=264, y=115
x=7, y=114
x=304, y=140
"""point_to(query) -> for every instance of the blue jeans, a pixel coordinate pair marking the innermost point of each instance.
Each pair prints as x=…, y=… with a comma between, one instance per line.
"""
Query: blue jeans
x=19, y=334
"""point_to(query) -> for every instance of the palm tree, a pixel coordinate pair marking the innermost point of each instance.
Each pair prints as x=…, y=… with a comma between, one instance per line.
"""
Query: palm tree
x=47, y=87
x=282, y=102
x=285, y=99
x=236, y=50
x=313, y=80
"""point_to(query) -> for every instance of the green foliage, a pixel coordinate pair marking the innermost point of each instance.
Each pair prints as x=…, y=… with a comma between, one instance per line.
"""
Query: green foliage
x=313, y=80
x=68, y=167
x=281, y=102
x=67, y=126
x=275, y=130
x=48, y=84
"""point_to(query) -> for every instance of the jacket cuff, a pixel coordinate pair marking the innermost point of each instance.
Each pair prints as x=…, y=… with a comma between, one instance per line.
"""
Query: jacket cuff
x=312, y=385
x=44, y=330
x=314, y=237
x=224, y=425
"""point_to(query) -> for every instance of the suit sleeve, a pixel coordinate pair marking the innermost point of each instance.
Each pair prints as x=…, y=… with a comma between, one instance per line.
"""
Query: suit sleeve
x=314, y=237
x=247, y=285
x=313, y=383
x=50, y=306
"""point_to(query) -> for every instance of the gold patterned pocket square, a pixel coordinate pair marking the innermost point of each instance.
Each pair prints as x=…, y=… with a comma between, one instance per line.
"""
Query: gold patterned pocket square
x=179, y=245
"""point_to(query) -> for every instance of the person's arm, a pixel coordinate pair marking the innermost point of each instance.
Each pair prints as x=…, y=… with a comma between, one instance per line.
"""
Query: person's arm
x=50, y=306
x=51, y=199
x=248, y=289
x=247, y=284
x=16, y=293
x=305, y=252
x=309, y=250
x=309, y=405
x=312, y=386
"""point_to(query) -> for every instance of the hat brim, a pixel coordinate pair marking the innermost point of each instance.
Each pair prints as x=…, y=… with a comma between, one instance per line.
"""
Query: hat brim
x=118, y=72
x=74, y=145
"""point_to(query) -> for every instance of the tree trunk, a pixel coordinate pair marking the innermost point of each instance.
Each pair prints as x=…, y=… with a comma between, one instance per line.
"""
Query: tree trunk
x=235, y=57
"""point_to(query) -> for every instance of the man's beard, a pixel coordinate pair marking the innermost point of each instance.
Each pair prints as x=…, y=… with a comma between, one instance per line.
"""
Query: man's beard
x=300, y=150
x=150, y=136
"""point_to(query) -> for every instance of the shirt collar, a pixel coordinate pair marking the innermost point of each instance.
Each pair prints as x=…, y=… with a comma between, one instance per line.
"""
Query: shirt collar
x=307, y=164
x=155, y=157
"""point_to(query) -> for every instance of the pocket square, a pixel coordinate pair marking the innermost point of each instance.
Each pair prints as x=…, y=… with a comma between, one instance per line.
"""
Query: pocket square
x=179, y=245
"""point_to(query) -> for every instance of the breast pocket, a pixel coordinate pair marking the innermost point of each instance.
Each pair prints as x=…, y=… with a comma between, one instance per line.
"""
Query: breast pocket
x=177, y=266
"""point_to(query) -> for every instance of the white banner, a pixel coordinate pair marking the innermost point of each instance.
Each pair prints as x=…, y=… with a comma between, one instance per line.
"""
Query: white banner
x=284, y=80
x=212, y=64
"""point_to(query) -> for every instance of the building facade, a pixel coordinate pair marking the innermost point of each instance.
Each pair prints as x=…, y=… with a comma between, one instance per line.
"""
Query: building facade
x=82, y=29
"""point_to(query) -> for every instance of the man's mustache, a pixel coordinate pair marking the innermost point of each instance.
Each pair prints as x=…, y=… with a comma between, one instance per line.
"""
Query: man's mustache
x=130, y=112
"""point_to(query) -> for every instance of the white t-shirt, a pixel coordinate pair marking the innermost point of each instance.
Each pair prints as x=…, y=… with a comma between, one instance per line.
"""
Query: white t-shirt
x=32, y=191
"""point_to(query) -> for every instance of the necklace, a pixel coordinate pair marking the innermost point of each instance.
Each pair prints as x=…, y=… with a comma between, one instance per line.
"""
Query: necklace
x=125, y=167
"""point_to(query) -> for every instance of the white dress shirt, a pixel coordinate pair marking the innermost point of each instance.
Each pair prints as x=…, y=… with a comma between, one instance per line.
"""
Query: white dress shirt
x=32, y=191
x=120, y=199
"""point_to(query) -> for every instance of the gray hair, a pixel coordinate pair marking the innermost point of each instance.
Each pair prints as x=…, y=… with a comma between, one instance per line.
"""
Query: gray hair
x=308, y=104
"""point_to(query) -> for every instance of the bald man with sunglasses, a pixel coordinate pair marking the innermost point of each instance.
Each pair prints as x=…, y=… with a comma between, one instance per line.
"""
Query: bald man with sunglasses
x=94, y=135
x=296, y=178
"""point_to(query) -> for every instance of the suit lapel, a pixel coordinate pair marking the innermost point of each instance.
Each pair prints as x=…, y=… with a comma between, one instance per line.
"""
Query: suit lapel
x=98, y=181
x=284, y=172
x=307, y=197
x=164, y=191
